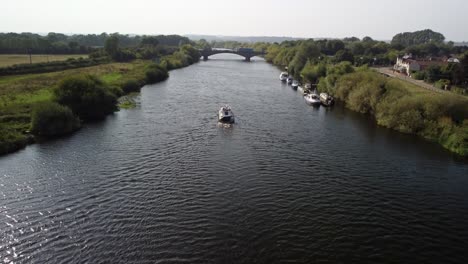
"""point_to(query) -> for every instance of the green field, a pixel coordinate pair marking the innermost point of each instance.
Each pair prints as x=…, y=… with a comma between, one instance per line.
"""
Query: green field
x=11, y=59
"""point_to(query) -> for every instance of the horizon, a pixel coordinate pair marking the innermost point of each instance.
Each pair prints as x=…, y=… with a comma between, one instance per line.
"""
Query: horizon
x=334, y=19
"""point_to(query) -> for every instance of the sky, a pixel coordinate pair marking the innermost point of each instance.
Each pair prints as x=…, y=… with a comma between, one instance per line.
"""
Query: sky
x=293, y=18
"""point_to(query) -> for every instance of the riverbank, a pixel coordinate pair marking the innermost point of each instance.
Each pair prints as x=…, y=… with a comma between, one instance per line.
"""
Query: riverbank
x=20, y=94
x=405, y=107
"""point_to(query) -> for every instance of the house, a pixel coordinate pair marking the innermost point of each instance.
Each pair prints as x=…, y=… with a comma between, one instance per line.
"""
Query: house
x=407, y=64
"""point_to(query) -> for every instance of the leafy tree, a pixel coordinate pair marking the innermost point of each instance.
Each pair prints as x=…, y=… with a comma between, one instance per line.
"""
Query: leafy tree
x=149, y=41
x=367, y=39
x=86, y=96
x=112, y=45
x=333, y=46
x=312, y=73
x=344, y=55
x=418, y=37
x=192, y=53
x=351, y=39
x=203, y=44
x=433, y=73
x=305, y=51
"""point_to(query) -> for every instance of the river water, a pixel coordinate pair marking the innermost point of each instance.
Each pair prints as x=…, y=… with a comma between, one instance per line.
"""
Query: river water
x=288, y=183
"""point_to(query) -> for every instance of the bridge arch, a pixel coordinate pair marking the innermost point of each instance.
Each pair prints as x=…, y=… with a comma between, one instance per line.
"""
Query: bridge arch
x=247, y=54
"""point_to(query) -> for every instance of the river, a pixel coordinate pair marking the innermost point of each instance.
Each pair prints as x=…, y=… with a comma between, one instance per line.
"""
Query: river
x=288, y=183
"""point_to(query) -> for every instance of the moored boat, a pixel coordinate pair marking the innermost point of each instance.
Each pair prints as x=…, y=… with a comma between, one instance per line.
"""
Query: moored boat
x=295, y=84
x=312, y=99
x=283, y=76
x=289, y=80
x=326, y=99
x=225, y=115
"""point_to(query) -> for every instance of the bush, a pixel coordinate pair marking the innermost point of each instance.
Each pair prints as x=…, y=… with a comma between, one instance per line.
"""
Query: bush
x=52, y=119
x=442, y=83
x=87, y=97
x=130, y=86
x=420, y=75
x=155, y=73
x=11, y=140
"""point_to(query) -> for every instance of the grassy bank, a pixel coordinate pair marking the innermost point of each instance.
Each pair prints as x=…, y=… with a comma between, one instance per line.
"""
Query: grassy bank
x=11, y=59
x=21, y=93
x=405, y=107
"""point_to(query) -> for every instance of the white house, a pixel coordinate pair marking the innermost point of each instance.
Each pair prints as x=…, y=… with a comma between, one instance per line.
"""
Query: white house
x=407, y=64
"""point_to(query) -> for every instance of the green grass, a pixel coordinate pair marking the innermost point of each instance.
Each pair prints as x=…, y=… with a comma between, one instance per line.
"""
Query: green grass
x=11, y=59
x=111, y=77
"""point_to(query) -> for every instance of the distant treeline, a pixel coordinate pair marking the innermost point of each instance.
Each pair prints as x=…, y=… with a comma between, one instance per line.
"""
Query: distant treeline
x=305, y=58
x=57, y=43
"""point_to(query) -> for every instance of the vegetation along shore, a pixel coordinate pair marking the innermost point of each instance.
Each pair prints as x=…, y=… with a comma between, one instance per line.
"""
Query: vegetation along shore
x=50, y=99
x=340, y=68
x=343, y=68
x=43, y=100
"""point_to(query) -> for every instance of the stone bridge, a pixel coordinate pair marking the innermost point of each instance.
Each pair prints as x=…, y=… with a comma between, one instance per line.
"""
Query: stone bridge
x=246, y=53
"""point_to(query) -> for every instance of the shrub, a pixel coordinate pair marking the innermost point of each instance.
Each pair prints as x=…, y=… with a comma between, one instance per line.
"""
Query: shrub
x=52, y=119
x=86, y=96
x=442, y=83
x=130, y=86
x=10, y=139
x=155, y=73
x=420, y=75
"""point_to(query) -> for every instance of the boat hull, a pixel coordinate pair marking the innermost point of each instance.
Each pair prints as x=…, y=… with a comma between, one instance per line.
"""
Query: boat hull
x=226, y=119
x=326, y=100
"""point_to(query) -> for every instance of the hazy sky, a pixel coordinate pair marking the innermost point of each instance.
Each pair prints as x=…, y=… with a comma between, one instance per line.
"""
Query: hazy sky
x=297, y=18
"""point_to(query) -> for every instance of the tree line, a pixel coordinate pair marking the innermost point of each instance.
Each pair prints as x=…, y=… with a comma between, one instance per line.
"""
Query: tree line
x=57, y=43
x=305, y=59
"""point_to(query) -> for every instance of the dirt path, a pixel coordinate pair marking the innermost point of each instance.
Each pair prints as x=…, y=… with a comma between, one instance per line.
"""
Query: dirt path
x=389, y=72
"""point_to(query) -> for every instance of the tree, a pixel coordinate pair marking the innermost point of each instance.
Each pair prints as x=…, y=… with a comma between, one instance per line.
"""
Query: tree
x=312, y=73
x=203, y=44
x=433, y=73
x=367, y=39
x=351, y=39
x=305, y=51
x=344, y=55
x=418, y=37
x=86, y=96
x=149, y=41
x=112, y=45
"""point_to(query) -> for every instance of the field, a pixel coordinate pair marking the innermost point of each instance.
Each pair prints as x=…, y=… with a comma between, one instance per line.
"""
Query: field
x=11, y=59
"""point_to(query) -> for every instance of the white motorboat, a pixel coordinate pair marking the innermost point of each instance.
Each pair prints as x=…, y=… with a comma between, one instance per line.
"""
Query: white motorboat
x=289, y=80
x=225, y=115
x=295, y=84
x=326, y=99
x=283, y=76
x=312, y=99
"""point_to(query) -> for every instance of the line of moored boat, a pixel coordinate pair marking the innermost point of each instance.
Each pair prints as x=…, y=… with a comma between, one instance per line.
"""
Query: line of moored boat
x=310, y=95
x=225, y=114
